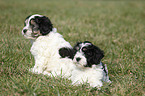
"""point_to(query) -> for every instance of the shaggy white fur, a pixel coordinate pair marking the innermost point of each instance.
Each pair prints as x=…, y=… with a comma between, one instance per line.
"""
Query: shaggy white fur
x=89, y=69
x=46, y=45
x=93, y=76
x=47, y=60
x=52, y=54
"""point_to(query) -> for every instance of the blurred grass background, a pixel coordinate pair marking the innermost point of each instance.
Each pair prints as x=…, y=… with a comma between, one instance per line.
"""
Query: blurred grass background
x=117, y=27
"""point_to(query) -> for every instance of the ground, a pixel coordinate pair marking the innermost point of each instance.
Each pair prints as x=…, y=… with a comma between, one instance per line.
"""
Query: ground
x=117, y=27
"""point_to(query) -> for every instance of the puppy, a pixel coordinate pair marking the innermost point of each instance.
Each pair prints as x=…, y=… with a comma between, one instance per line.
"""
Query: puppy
x=53, y=55
x=89, y=68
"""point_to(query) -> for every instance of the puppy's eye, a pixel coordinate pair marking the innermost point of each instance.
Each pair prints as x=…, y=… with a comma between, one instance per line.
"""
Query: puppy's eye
x=84, y=49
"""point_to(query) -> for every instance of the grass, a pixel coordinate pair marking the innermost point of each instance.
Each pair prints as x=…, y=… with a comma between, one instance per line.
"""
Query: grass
x=117, y=27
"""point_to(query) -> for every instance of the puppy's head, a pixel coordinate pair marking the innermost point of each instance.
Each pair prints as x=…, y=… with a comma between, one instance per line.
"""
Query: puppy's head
x=87, y=54
x=36, y=25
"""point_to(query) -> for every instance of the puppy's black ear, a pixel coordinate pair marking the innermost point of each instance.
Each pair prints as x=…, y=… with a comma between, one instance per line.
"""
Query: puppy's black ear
x=66, y=52
x=99, y=54
x=44, y=24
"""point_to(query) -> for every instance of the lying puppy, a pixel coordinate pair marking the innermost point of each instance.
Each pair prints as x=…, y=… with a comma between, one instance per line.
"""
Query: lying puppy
x=53, y=55
x=89, y=68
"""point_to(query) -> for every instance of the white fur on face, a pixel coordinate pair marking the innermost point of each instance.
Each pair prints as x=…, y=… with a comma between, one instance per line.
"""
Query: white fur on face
x=82, y=61
x=28, y=34
x=80, y=54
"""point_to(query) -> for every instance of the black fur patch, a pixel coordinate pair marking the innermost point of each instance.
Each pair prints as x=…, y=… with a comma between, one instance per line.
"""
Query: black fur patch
x=93, y=54
x=44, y=24
x=66, y=52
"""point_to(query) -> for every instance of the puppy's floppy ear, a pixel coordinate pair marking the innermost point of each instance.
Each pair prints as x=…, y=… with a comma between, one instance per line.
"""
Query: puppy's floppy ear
x=99, y=54
x=66, y=52
x=44, y=24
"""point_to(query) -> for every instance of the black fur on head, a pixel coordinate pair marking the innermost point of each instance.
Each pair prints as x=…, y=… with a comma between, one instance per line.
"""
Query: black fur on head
x=44, y=24
x=93, y=54
x=36, y=25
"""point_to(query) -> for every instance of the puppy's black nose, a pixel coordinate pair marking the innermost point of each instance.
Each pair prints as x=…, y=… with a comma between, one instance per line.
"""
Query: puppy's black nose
x=78, y=59
x=25, y=30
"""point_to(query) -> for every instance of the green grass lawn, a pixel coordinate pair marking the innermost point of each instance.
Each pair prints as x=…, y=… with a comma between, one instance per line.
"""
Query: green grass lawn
x=117, y=27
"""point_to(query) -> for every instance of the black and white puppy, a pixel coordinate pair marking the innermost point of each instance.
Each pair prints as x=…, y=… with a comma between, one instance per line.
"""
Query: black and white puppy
x=53, y=55
x=89, y=68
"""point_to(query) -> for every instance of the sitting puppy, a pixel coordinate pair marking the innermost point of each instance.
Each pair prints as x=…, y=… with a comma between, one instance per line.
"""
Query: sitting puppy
x=53, y=55
x=89, y=68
